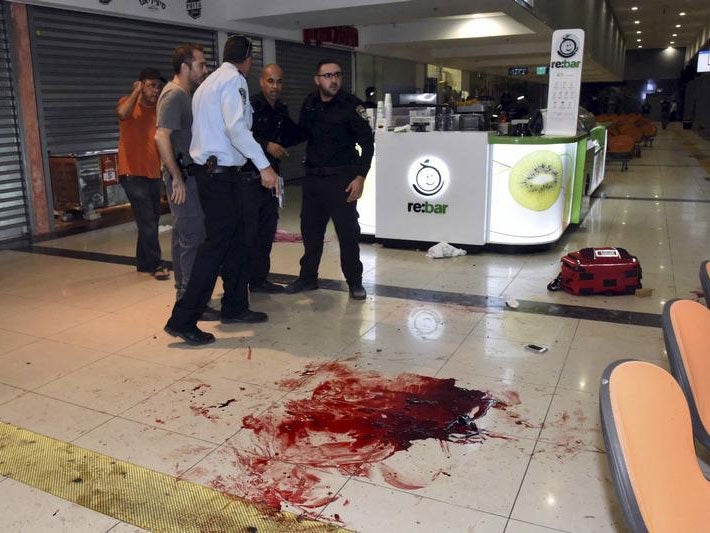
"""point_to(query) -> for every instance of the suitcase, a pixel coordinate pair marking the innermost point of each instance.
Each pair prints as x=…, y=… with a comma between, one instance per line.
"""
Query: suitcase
x=598, y=271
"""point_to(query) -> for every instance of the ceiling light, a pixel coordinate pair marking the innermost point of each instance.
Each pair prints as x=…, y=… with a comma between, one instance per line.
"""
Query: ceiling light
x=634, y=8
x=674, y=35
x=682, y=13
x=638, y=40
x=678, y=26
x=638, y=31
x=639, y=46
x=672, y=42
x=637, y=22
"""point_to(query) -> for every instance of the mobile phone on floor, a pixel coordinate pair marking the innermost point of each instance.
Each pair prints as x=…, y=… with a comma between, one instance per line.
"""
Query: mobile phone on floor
x=535, y=348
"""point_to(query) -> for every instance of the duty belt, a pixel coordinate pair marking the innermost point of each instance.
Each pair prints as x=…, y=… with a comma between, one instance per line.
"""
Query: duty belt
x=217, y=169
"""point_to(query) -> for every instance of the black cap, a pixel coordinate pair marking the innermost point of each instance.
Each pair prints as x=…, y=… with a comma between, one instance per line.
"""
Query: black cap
x=236, y=49
x=151, y=74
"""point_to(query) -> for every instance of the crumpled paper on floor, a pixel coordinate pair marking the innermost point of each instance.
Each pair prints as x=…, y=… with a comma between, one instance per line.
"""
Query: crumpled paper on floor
x=444, y=249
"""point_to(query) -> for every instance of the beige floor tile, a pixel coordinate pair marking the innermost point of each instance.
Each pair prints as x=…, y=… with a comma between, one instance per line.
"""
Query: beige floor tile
x=48, y=319
x=44, y=361
x=432, y=321
x=516, y=526
x=13, y=303
x=7, y=392
x=308, y=333
x=573, y=421
x=23, y=508
x=112, y=384
x=110, y=333
x=284, y=486
x=367, y=508
x=11, y=340
x=210, y=410
x=526, y=327
x=278, y=366
x=164, y=350
x=147, y=446
x=521, y=408
x=47, y=416
x=569, y=491
x=587, y=360
x=507, y=359
x=423, y=346
x=455, y=473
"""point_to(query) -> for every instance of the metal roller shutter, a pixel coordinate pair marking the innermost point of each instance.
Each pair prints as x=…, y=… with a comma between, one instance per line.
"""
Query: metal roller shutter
x=84, y=62
x=298, y=62
x=13, y=206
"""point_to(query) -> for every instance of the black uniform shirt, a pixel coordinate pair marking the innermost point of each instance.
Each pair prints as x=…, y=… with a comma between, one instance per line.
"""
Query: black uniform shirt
x=332, y=129
x=273, y=124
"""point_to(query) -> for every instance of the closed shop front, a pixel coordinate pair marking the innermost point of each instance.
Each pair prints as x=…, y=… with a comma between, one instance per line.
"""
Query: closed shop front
x=83, y=63
x=13, y=200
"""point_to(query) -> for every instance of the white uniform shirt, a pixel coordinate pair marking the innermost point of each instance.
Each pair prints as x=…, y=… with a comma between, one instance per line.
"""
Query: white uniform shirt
x=222, y=118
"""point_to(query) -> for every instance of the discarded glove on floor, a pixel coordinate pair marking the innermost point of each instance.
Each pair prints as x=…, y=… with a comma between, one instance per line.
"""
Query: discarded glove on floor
x=444, y=249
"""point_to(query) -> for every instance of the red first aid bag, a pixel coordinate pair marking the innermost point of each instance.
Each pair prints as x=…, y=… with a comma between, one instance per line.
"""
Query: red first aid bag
x=598, y=271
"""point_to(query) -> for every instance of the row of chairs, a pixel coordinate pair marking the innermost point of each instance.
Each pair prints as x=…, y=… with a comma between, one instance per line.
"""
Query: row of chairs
x=626, y=134
x=650, y=419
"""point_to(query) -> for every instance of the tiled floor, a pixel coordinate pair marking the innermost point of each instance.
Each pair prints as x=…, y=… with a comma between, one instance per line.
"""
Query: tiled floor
x=83, y=358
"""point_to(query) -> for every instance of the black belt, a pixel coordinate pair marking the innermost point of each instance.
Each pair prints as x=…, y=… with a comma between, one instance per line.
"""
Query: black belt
x=217, y=169
x=328, y=171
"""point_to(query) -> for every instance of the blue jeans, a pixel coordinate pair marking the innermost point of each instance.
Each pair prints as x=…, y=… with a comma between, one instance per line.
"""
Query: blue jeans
x=188, y=231
x=144, y=195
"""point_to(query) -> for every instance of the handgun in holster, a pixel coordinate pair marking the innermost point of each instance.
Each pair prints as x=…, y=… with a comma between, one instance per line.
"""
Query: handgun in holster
x=211, y=164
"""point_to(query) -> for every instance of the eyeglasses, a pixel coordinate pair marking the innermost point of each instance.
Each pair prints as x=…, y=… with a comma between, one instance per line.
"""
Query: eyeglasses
x=330, y=75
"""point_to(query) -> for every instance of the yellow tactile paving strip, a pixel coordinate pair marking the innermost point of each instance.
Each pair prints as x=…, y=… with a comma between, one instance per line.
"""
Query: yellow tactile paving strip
x=133, y=494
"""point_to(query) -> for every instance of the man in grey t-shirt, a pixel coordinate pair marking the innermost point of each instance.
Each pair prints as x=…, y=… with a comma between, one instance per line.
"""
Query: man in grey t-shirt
x=172, y=137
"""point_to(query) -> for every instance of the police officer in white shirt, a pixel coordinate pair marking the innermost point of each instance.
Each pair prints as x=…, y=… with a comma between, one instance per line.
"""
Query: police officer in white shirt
x=221, y=144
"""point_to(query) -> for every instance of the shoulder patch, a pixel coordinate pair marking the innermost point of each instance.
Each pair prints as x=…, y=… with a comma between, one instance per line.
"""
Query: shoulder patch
x=360, y=110
x=243, y=93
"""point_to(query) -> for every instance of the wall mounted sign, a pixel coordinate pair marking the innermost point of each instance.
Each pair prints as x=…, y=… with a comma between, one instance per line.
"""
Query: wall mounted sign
x=153, y=5
x=518, y=71
x=194, y=8
x=339, y=35
x=565, y=82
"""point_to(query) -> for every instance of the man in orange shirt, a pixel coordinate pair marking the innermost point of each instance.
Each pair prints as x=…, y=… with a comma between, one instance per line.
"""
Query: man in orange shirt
x=139, y=167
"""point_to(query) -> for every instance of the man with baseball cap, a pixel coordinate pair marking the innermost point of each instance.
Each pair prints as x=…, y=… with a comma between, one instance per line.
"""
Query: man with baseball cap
x=221, y=145
x=139, y=167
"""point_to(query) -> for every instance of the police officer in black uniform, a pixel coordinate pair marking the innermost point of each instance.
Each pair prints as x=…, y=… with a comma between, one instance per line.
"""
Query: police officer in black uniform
x=332, y=122
x=275, y=131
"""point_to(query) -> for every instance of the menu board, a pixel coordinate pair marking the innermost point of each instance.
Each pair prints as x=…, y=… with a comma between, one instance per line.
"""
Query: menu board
x=565, y=82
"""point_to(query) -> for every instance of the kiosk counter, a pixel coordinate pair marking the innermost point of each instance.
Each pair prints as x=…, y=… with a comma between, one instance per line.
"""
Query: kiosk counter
x=476, y=188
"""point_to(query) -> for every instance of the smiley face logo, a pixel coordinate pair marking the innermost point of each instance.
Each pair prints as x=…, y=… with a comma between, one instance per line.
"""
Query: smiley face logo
x=428, y=176
x=568, y=46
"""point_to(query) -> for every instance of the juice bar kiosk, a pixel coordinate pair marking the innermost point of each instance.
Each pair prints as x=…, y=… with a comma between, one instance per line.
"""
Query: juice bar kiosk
x=479, y=187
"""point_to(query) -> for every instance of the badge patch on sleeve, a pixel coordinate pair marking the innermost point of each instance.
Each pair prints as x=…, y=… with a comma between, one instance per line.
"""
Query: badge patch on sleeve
x=360, y=110
x=244, y=95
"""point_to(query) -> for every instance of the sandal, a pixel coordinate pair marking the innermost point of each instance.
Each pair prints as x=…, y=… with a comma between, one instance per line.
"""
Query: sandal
x=161, y=273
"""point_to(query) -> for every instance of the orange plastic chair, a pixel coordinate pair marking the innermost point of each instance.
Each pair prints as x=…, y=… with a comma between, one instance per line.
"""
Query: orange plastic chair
x=620, y=148
x=685, y=328
x=649, y=443
x=705, y=280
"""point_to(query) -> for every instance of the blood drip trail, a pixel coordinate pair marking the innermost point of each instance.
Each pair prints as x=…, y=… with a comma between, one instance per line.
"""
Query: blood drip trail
x=350, y=423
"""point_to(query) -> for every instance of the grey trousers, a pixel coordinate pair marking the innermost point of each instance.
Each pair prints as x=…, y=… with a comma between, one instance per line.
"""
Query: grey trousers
x=188, y=231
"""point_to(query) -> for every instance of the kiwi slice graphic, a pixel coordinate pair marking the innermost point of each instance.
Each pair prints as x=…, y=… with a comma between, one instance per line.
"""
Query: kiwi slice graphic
x=535, y=181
